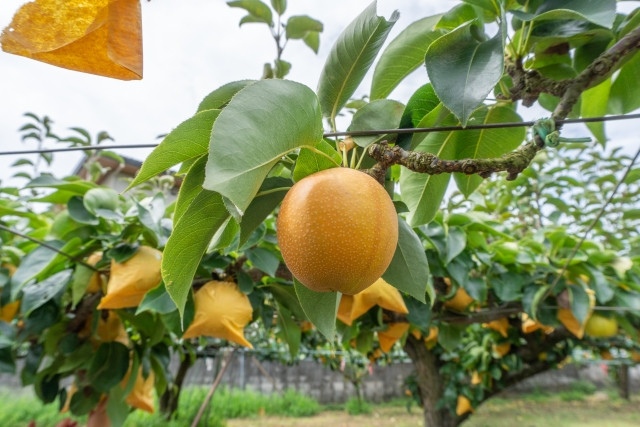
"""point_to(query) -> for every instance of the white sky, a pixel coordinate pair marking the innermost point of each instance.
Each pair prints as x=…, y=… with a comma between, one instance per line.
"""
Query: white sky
x=190, y=48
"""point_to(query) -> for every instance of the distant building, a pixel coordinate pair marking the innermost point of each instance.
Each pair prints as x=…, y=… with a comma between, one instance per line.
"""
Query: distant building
x=119, y=175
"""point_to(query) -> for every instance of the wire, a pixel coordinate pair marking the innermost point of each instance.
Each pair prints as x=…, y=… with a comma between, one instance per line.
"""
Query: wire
x=358, y=133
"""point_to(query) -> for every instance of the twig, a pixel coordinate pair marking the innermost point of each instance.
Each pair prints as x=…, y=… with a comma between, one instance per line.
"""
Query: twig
x=48, y=246
x=518, y=160
x=225, y=365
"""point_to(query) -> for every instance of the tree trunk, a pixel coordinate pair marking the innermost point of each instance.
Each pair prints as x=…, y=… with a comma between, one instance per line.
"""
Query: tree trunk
x=171, y=397
x=623, y=381
x=430, y=386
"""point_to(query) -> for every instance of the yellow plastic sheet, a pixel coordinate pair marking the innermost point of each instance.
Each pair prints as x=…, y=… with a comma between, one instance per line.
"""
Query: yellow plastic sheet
x=222, y=311
x=102, y=37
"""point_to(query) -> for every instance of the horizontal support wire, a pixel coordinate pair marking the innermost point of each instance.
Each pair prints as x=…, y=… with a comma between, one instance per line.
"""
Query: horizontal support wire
x=354, y=133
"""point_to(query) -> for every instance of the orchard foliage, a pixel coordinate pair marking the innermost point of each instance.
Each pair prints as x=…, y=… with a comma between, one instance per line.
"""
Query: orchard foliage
x=536, y=254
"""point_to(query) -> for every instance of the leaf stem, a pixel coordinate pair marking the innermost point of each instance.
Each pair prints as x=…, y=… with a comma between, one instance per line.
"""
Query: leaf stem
x=273, y=190
x=315, y=150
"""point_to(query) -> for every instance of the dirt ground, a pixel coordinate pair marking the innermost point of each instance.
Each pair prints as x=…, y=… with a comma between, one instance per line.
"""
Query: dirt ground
x=598, y=410
x=379, y=417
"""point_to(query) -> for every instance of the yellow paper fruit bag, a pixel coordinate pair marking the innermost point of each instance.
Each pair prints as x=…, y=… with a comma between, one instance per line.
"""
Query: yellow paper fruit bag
x=463, y=406
x=344, y=309
x=8, y=311
x=460, y=301
x=97, y=279
x=102, y=37
x=394, y=332
x=141, y=395
x=380, y=293
x=222, y=311
x=130, y=280
x=501, y=325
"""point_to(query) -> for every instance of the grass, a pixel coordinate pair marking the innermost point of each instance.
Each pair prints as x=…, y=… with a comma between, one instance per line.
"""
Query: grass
x=580, y=405
x=17, y=409
x=355, y=406
x=226, y=404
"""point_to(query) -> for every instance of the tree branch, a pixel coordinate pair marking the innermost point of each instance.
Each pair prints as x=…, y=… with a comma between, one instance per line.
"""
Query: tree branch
x=529, y=84
x=598, y=71
x=518, y=160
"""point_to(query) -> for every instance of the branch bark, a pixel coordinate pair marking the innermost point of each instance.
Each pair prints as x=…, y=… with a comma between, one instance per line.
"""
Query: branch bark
x=518, y=160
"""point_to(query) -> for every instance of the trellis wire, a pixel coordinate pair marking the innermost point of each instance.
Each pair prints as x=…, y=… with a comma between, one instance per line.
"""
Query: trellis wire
x=355, y=133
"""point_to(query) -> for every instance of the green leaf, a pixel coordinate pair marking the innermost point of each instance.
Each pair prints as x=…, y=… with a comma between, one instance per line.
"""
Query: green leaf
x=463, y=70
x=476, y=287
x=72, y=247
x=117, y=407
x=309, y=162
x=109, y=365
x=423, y=193
x=32, y=264
x=263, y=259
x=102, y=202
x=379, y=114
x=286, y=296
x=321, y=308
x=80, y=283
x=421, y=103
x=280, y=6
x=277, y=117
x=599, y=282
x=579, y=300
x=122, y=252
x=409, y=268
x=625, y=90
x=312, y=39
x=219, y=98
x=75, y=186
x=419, y=313
x=403, y=55
x=188, y=241
x=594, y=104
x=79, y=213
x=456, y=242
x=299, y=26
x=82, y=403
x=456, y=16
x=35, y=295
x=600, y=12
x=350, y=59
x=289, y=331
x=486, y=143
x=189, y=140
x=256, y=9
x=157, y=300
x=262, y=205
x=508, y=286
x=191, y=186
x=449, y=336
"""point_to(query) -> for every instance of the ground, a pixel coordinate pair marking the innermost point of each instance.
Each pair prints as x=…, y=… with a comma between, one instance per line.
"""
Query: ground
x=535, y=410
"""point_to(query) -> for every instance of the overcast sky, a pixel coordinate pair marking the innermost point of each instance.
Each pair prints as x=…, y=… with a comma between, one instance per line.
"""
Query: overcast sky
x=190, y=48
